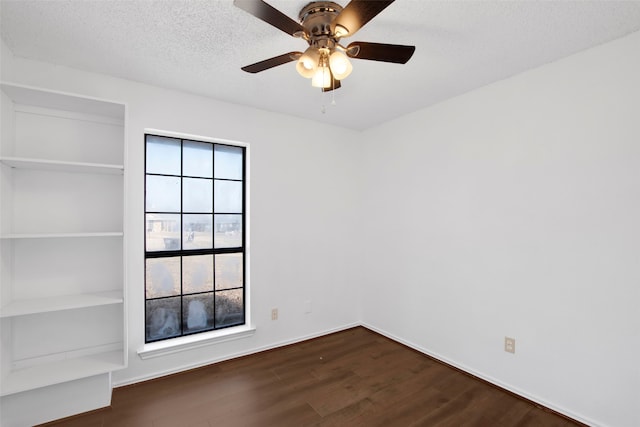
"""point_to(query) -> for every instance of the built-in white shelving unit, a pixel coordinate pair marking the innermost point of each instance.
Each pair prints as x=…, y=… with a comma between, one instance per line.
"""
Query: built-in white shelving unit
x=62, y=314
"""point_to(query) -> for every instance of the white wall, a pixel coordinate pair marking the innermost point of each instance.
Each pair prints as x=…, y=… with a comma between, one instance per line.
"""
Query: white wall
x=303, y=205
x=514, y=211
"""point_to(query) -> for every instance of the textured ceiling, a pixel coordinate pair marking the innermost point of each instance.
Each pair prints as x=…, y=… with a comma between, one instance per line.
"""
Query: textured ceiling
x=199, y=46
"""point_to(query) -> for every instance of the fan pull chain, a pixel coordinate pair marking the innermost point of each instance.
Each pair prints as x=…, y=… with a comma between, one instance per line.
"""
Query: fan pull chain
x=323, y=109
x=333, y=90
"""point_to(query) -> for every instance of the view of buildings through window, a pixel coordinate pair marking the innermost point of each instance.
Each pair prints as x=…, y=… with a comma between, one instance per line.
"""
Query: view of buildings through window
x=195, y=239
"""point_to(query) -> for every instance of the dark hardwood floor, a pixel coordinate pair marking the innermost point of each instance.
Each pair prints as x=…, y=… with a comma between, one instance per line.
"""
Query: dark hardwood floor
x=351, y=378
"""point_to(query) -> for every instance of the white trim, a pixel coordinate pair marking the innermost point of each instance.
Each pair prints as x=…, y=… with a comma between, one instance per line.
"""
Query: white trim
x=181, y=135
x=487, y=378
x=126, y=238
x=189, y=342
x=231, y=356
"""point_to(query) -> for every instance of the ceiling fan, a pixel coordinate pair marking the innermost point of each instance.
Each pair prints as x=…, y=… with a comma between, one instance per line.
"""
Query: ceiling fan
x=322, y=25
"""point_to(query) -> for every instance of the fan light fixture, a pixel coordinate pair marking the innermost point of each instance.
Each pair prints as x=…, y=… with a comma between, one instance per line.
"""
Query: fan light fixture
x=308, y=63
x=323, y=24
x=321, y=64
x=340, y=65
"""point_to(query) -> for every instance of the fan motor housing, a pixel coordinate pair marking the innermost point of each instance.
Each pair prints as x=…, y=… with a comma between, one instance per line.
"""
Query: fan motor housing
x=316, y=18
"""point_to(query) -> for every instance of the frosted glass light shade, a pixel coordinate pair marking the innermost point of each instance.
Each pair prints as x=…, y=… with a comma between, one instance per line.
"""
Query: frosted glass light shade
x=340, y=65
x=308, y=63
x=321, y=78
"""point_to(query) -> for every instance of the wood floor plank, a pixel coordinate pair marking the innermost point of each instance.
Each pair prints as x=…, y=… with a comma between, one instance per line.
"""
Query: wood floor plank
x=350, y=415
x=351, y=378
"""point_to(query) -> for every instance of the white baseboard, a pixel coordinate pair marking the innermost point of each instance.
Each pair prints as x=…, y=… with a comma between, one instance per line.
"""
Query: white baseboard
x=484, y=377
x=255, y=350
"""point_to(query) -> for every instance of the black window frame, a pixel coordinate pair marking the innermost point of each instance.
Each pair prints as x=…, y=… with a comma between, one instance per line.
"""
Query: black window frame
x=195, y=252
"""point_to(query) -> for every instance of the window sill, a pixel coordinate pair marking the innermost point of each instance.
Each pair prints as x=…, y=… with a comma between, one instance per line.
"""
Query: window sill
x=190, y=342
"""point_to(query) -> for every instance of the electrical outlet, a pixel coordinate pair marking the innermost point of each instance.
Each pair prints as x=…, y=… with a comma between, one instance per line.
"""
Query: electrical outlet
x=274, y=314
x=509, y=345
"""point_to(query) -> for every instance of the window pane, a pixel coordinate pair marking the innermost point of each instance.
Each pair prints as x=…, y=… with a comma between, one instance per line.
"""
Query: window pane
x=197, y=195
x=197, y=274
x=229, y=308
x=163, y=194
x=163, y=155
x=197, y=159
x=163, y=232
x=229, y=271
x=228, y=162
x=163, y=318
x=228, y=196
x=197, y=312
x=228, y=231
x=163, y=277
x=198, y=231
x=194, y=201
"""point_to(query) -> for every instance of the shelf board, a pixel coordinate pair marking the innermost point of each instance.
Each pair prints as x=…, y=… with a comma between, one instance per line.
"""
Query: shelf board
x=60, y=303
x=45, y=98
x=62, y=166
x=61, y=371
x=61, y=235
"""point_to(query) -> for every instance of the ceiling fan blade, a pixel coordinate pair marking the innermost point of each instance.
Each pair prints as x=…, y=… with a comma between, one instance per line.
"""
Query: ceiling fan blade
x=272, y=62
x=357, y=13
x=396, y=53
x=270, y=15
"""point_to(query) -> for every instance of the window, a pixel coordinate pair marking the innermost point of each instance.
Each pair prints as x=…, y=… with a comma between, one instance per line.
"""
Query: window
x=195, y=236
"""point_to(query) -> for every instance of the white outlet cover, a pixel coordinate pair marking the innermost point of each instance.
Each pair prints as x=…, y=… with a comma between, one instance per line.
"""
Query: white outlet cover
x=509, y=345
